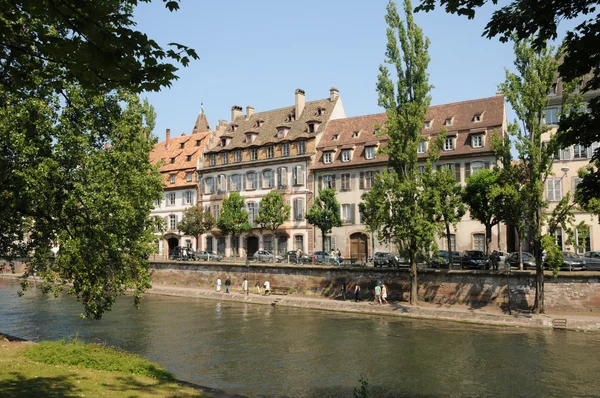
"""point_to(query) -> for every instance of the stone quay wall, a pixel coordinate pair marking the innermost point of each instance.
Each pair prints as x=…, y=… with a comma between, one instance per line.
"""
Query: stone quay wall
x=571, y=291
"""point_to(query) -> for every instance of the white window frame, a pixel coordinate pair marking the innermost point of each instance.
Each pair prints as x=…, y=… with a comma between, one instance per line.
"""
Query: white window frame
x=345, y=178
x=301, y=147
x=212, y=159
x=449, y=144
x=327, y=181
x=422, y=147
x=553, y=111
x=327, y=157
x=346, y=155
x=172, y=222
x=171, y=197
x=553, y=189
x=477, y=141
x=285, y=149
x=253, y=154
x=238, y=156
x=369, y=179
x=236, y=182
x=188, y=197
x=172, y=178
x=298, y=209
x=476, y=166
x=448, y=122
x=427, y=124
x=251, y=180
x=189, y=176
x=370, y=152
x=479, y=245
x=346, y=213
x=252, y=211
x=270, y=152
x=225, y=158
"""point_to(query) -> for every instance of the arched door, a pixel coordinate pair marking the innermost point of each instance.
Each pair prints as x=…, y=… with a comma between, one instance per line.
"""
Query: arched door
x=358, y=247
x=173, y=242
x=251, y=245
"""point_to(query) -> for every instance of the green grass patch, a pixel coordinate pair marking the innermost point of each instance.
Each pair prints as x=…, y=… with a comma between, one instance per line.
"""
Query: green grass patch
x=94, y=356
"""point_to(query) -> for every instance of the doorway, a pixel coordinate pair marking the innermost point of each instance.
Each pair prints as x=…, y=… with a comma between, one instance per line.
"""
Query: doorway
x=251, y=245
x=173, y=243
x=358, y=247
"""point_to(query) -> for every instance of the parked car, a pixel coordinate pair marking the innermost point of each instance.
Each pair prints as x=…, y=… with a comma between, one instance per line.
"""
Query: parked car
x=528, y=260
x=204, y=255
x=443, y=258
x=265, y=256
x=177, y=253
x=292, y=257
x=321, y=257
x=385, y=259
x=572, y=262
x=592, y=260
x=473, y=259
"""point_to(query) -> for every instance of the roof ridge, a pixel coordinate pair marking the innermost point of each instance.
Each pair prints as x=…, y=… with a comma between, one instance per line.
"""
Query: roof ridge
x=465, y=101
x=290, y=106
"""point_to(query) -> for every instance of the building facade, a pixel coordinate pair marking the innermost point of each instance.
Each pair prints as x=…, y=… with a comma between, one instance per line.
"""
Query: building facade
x=348, y=159
x=266, y=152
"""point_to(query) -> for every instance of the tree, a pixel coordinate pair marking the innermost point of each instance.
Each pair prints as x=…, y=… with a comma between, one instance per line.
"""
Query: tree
x=272, y=213
x=537, y=21
x=234, y=219
x=404, y=216
x=527, y=93
x=196, y=221
x=79, y=174
x=92, y=43
x=325, y=213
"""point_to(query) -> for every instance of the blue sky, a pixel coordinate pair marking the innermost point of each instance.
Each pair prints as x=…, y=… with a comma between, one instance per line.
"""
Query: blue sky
x=257, y=53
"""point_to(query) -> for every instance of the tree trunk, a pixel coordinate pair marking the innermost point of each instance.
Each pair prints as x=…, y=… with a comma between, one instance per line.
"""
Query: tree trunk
x=323, y=241
x=449, y=246
x=520, y=250
x=488, y=239
x=274, y=242
x=414, y=299
x=538, y=307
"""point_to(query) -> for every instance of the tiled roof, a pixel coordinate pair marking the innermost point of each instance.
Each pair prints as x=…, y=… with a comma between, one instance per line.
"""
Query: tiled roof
x=274, y=119
x=491, y=111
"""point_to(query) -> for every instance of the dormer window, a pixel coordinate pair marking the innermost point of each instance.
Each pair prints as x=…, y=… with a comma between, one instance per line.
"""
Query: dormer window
x=427, y=124
x=223, y=142
x=198, y=142
x=312, y=127
x=172, y=178
x=335, y=137
x=356, y=134
x=290, y=117
x=282, y=132
x=259, y=123
x=320, y=111
x=370, y=152
x=422, y=147
x=477, y=117
x=449, y=144
x=477, y=141
x=173, y=160
x=346, y=155
x=188, y=158
x=552, y=89
x=327, y=157
x=250, y=137
x=448, y=122
x=234, y=127
x=182, y=145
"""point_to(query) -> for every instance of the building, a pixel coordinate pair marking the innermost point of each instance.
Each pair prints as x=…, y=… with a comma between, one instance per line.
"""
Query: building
x=347, y=161
x=564, y=178
x=266, y=152
x=178, y=159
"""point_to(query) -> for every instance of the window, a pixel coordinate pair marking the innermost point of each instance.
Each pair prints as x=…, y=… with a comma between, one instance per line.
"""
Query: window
x=282, y=178
x=559, y=238
x=328, y=181
x=223, y=142
x=221, y=246
x=188, y=158
x=235, y=245
x=477, y=117
x=329, y=243
x=345, y=181
x=209, y=186
x=551, y=116
x=236, y=182
x=225, y=157
x=312, y=127
x=171, y=199
x=268, y=179
x=477, y=141
x=583, y=241
x=335, y=137
x=189, y=197
x=452, y=243
x=552, y=90
x=301, y=147
x=580, y=151
x=281, y=245
x=213, y=159
x=173, y=160
x=281, y=132
x=448, y=122
x=298, y=209
x=421, y=169
x=422, y=147
x=299, y=242
x=251, y=180
x=327, y=157
x=157, y=203
x=207, y=209
x=209, y=244
x=428, y=124
x=238, y=156
x=188, y=176
x=298, y=175
x=576, y=182
x=348, y=213
x=476, y=166
x=563, y=154
x=268, y=243
x=285, y=149
x=370, y=152
x=320, y=111
x=182, y=145
x=253, y=154
x=216, y=211
x=172, y=178
x=356, y=134
x=553, y=189
x=252, y=211
x=479, y=242
x=250, y=137
x=449, y=144
x=369, y=180
x=198, y=142
x=346, y=155
x=270, y=152
x=172, y=222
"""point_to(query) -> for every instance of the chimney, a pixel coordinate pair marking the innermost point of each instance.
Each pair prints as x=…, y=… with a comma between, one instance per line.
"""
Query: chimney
x=236, y=111
x=168, y=138
x=249, y=111
x=333, y=94
x=498, y=92
x=300, y=97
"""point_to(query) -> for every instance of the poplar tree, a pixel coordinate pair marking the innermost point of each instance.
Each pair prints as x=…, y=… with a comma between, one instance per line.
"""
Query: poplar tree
x=399, y=194
x=234, y=219
x=272, y=213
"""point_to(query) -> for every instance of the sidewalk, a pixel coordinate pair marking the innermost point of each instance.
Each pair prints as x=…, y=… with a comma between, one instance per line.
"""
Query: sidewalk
x=491, y=315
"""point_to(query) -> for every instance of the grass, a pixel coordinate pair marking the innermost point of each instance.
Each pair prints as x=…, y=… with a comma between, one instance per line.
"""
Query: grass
x=70, y=369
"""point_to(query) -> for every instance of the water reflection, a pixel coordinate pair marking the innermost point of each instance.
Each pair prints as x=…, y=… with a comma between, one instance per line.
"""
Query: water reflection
x=273, y=351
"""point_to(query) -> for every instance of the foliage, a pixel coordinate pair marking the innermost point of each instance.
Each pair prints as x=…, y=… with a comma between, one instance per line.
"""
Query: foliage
x=554, y=257
x=398, y=194
x=273, y=212
x=363, y=391
x=537, y=20
x=482, y=204
x=94, y=356
x=325, y=213
x=234, y=219
x=78, y=174
x=196, y=221
x=91, y=43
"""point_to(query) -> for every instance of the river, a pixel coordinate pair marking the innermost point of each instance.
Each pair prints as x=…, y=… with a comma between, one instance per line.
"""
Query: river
x=259, y=350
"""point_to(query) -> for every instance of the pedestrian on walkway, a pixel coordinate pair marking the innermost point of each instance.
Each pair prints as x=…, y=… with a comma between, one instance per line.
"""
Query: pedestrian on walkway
x=356, y=293
x=384, y=294
x=218, y=284
x=267, y=288
x=245, y=286
x=257, y=287
x=344, y=291
x=227, y=285
x=377, y=295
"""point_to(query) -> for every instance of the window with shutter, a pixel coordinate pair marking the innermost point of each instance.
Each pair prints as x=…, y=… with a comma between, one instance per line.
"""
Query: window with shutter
x=467, y=170
x=361, y=180
x=333, y=182
x=289, y=203
x=320, y=182
x=457, y=171
x=352, y=213
x=553, y=189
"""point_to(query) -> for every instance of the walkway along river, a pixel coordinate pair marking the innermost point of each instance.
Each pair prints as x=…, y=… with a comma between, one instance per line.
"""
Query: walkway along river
x=259, y=350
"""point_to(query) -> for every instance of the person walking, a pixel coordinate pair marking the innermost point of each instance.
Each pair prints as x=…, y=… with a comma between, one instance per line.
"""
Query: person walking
x=218, y=284
x=339, y=256
x=227, y=285
x=299, y=257
x=377, y=295
x=245, y=286
x=344, y=291
x=257, y=286
x=333, y=256
x=356, y=293
x=267, y=288
x=384, y=294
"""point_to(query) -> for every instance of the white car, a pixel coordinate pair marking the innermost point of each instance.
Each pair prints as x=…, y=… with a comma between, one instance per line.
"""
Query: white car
x=263, y=255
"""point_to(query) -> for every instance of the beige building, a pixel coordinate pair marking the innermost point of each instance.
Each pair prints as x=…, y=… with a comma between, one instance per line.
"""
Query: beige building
x=262, y=152
x=347, y=161
x=564, y=178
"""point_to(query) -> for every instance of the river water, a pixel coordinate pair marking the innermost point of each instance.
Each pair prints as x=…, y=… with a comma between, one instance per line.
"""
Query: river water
x=258, y=350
